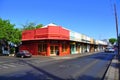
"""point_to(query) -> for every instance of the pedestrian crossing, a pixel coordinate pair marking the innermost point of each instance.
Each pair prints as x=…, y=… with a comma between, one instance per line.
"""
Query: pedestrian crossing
x=11, y=65
x=21, y=63
x=17, y=64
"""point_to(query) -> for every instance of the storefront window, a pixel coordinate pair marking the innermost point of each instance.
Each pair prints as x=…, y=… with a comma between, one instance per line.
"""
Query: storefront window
x=42, y=47
x=78, y=48
x=64, y=47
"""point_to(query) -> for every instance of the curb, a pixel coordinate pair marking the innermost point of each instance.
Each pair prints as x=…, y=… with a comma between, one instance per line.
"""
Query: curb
x=112, y=71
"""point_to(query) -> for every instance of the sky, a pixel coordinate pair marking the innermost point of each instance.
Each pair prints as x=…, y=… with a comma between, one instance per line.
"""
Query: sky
x=94, y=18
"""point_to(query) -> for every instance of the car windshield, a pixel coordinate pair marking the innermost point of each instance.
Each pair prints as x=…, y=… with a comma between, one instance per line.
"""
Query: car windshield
x=24, y=51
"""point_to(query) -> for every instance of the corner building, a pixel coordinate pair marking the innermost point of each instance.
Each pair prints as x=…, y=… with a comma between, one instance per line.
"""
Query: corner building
x=53, y=40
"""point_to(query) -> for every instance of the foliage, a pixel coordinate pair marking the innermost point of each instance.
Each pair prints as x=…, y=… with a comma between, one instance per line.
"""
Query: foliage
x=39, y=26
x=112, y=40
x=31, y=25
x=8, y=32
x=12, y=50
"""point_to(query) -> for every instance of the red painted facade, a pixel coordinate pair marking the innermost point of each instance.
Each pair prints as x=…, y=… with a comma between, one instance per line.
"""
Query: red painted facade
x=50, y=32
x=47, y=41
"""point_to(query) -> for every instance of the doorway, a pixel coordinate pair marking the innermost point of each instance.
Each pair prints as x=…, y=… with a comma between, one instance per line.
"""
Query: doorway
x=54, y=50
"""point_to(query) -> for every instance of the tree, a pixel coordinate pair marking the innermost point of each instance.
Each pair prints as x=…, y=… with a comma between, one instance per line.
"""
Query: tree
x=8, y=32
x=31, y=26
x=112, y=40
x=39, y=26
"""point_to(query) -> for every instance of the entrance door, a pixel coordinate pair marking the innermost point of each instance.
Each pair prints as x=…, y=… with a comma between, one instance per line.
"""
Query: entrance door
x=54, y=50
x=72, y=49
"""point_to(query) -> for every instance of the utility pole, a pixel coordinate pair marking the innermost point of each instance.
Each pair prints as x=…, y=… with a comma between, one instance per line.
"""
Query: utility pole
x=116, y=21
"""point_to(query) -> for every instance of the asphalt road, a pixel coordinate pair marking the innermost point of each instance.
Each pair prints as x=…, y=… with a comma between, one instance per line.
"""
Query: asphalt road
x=91, y=67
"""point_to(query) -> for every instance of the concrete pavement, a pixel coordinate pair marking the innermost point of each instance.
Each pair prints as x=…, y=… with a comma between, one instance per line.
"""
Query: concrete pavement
x=113, y=70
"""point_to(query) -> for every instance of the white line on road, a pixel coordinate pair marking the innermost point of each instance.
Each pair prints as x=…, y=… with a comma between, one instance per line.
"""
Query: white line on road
x=5, y=67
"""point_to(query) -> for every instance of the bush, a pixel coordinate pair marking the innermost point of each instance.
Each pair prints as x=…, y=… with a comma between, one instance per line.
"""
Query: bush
x=12, y=50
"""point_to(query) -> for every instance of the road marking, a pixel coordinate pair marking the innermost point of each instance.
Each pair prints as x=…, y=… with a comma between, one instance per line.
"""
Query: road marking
x=5, y=67
x=12, y=65
x=15, y=64
x=57, y=58
x=20, y=64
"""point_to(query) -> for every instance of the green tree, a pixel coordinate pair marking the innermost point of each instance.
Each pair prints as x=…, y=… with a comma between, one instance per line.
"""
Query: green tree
x=39, y=26
x=112, y=40
x=31, y=25
x=8, y=32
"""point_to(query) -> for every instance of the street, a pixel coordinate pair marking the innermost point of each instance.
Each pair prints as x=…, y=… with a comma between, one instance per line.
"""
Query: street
x=89, y=67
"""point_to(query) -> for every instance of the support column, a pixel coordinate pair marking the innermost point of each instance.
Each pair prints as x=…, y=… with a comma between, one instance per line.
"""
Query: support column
x=36, y=49
x=48, y=49
x=68, y=52
x=60, y=49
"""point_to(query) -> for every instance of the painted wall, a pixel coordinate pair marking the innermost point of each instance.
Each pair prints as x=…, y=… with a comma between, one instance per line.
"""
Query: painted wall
x=28, y=35
x=74, y=36
x=50, y=32
x=41, y=33
x=30, y=46
x=57, y=32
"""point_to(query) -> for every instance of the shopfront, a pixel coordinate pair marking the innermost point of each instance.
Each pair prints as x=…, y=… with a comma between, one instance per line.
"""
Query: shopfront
x=54, y=40
x=73, y=47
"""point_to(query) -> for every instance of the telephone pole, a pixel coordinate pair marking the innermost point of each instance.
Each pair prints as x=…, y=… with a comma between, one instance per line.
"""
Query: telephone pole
x=116, y=21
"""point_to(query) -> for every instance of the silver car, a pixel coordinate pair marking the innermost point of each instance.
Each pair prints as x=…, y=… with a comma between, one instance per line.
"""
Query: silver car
x=109, y=49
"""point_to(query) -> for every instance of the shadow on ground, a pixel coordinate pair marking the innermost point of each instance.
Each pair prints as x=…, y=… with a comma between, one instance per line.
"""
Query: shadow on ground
x=86, y=77
x=30, y=75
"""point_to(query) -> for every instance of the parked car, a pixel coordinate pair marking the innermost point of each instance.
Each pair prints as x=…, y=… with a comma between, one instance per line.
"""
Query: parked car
x=109, y=49
x=23, y=54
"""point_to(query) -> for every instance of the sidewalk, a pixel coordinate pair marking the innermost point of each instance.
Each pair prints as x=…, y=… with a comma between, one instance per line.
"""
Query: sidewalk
x=73, y=55
x=113, y=70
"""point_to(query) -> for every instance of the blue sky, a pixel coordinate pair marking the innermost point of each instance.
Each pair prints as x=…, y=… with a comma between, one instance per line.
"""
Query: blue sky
x=94, y=18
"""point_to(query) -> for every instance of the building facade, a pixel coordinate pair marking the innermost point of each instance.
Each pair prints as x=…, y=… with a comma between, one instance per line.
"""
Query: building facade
x=53, y=40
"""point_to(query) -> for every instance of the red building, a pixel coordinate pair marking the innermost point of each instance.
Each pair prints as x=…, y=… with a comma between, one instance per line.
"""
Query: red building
x=48, y=41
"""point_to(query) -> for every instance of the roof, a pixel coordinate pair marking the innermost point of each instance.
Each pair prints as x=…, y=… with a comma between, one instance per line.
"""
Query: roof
x=51, y=24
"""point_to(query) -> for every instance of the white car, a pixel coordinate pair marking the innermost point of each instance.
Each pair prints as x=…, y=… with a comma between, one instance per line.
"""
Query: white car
x=109, y=49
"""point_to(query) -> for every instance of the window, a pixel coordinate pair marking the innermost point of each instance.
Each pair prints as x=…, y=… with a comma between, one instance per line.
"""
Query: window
x=42, y=47
x=64, y=47
x=78, y=48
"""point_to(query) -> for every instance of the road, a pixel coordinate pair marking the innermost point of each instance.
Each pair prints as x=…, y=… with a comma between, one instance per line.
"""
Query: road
x=90, y=67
